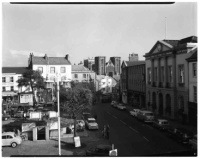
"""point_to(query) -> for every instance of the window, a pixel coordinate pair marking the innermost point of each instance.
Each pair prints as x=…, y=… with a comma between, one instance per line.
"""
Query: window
x=40, y=69
x=149, y=74
x=12, y=88
x=11, y=79
x=170, y=80
x=9, y=137
x=194, y=65
x=155, y=74
x=4, y=79
x=4, y=137
x=195, y=94
x=3, y=89
x=62, y=70
x=102, y=61
x=84, y=75
x=75, y=75
x=162, y=74
x=181, y=73
x=52, y=69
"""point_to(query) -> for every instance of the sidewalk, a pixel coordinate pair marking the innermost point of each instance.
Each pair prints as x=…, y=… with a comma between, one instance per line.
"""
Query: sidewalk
x=174, y=123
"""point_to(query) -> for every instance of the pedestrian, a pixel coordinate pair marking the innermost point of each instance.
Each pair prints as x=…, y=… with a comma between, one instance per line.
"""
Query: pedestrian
x=104, y=131
x=108, y=131
x=24, y=115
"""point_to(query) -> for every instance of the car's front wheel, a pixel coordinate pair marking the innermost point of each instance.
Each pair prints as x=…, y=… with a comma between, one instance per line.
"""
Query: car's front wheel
x=14, y=144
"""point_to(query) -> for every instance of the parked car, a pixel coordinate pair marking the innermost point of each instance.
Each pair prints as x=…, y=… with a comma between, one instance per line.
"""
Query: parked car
x=10, y=139
x=193, y=142
x=91, y=123
x=19, y=114
x=30, y=110
x=113, y=102
x=99, y=150
x=146, y=116
x=6, y=117
x=134, y=112
x=161, y=124
x=86, y=115
x=180, y=134
x=115, y=105
x=121, y=106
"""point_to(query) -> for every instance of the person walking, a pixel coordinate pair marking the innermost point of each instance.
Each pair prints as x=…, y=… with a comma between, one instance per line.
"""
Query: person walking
x=104, y=131
x=107, y=131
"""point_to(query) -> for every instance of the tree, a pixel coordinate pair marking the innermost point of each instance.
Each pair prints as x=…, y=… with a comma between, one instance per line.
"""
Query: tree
x=33, y=79
x=75, y=100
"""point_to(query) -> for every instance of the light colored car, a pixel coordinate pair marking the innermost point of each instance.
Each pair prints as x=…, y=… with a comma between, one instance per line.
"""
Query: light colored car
x=115, y=105
x=10, y=139
x=19, y=114
x=121, y=106
x=193, y=142
x=91, y=123
x=134, y=112
x=146, y=116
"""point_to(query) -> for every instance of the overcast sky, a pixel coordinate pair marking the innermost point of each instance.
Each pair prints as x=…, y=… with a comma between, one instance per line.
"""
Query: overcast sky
x=84, y=31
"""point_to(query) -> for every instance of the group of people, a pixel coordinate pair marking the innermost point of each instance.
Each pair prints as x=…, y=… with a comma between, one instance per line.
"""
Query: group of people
x=106, y=131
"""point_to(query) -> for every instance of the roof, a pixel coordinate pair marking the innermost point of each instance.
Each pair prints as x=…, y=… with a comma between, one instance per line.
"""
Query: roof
x=116, y=77
x=50, y=60
x=17, y=70
x=8, y=133
x=193, y=56
x=79, y=68
x=174, y=43
x=191, y=39
x=134, y=63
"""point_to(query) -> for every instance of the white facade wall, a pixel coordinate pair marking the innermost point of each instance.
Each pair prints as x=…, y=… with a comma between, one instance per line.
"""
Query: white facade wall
x=46, y=71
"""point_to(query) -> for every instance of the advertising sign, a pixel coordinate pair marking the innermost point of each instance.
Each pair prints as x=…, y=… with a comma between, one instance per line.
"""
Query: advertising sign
x=28, y=126
x=77, y=141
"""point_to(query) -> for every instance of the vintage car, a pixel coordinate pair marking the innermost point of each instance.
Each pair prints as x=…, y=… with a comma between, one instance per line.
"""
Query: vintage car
x=146, y=116
x=134, y=112
x=181, y=135
x=19, y=114
x=91, y=123
x=99, y=150
x=193, y=142
x=121, y=106
x=161, y=124
x=10, y=139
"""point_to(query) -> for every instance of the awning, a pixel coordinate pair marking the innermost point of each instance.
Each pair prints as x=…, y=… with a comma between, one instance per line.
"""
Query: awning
x=9, y=94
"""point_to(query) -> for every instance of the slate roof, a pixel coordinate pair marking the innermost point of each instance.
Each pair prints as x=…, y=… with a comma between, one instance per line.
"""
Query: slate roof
x=133, y=63
x=50, y=61
x=79, y=68
x=174, y=43
x=17, y=70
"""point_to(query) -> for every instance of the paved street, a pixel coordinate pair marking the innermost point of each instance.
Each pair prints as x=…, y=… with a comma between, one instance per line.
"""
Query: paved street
x=132, y=137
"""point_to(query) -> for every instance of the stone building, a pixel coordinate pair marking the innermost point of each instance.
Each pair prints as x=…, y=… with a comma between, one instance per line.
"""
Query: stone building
x=100, y=65
x=167, y=77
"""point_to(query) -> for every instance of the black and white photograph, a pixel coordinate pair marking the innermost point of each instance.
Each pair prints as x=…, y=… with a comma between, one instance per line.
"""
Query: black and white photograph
x=99, y=79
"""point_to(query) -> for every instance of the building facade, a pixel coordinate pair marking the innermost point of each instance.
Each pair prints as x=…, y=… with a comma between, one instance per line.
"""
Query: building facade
x=82, y=74
x=100, y=65
x=10, y=88
x=110, y=68
x=167, y=77
x=133, y=83
x=133, y=57
x=117, y=65
x=193, y=73
x=88, y=63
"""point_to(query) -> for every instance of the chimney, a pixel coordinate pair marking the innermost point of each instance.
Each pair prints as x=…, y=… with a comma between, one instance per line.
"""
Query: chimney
x=45, y=56
x=67, y=57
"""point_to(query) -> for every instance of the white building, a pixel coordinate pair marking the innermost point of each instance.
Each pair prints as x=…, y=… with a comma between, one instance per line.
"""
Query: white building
x=10, y=88
x=52, y=68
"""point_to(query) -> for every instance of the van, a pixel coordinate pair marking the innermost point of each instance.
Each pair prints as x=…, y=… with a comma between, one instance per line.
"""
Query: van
x=146, y=116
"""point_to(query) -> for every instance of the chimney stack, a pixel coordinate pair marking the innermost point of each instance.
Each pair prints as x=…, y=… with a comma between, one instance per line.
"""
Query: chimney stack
x=67, y=57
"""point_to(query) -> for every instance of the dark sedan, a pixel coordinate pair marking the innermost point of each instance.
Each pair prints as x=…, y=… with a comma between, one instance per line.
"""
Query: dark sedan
x=180, y=134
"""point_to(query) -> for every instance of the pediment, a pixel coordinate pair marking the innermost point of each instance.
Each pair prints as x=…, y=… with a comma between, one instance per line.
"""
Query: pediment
x=160, y=46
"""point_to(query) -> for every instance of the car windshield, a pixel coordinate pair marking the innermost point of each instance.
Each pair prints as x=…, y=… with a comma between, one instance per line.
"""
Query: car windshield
x=91, y=121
